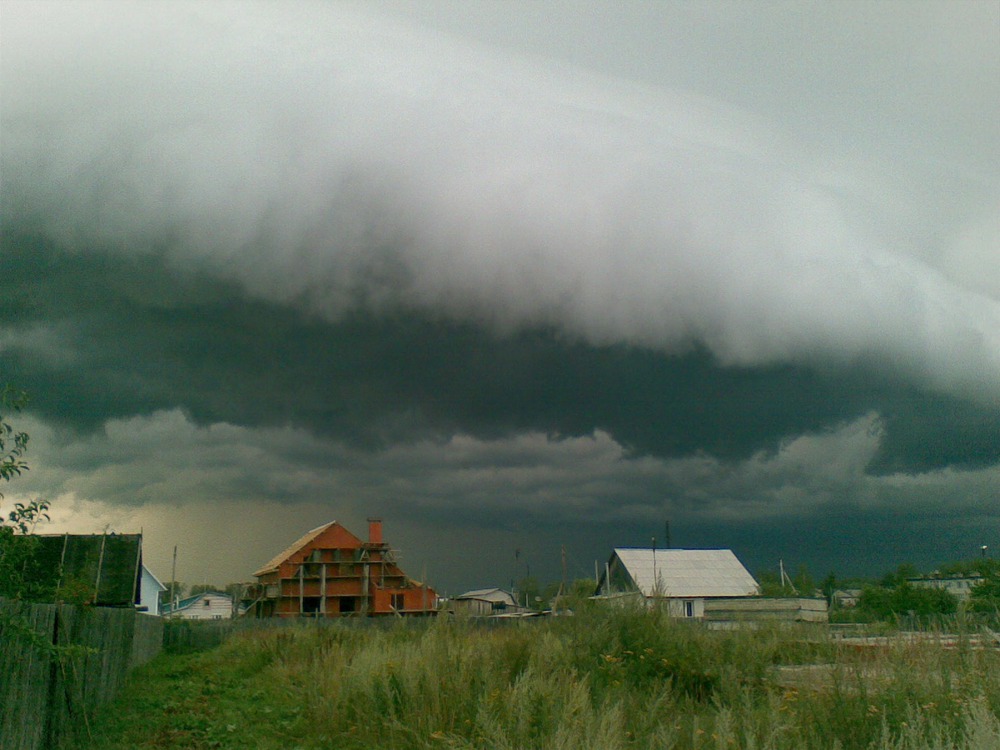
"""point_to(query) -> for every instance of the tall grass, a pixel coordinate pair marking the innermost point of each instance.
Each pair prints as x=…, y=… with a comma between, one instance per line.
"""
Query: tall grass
x=603, y=680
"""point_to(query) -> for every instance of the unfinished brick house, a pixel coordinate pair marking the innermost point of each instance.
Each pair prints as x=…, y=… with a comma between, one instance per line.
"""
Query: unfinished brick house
x=329, y=572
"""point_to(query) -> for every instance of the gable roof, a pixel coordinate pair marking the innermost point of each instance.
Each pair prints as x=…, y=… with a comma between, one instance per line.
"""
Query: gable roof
x=489, y=595
x=298, y=544
x=109, y=564
x=158, y=583
x=190, y=600
x=681, y=573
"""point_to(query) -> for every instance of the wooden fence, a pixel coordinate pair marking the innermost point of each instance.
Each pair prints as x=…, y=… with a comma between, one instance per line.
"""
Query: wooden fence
x=46, y=701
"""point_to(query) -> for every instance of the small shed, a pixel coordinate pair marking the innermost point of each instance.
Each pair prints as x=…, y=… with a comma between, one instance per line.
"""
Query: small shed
x=846, y=598
x=683, y=579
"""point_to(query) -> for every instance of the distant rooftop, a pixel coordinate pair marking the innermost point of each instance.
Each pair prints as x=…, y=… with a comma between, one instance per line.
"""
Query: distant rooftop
x=490, y=595
x=684, y=573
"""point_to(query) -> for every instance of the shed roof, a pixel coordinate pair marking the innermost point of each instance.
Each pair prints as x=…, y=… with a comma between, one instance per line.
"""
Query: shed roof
x=683, y=573
x=298, y=544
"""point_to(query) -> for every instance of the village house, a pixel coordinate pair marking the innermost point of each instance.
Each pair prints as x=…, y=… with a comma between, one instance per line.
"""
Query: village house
x=846, y=598
x=958, y=586
x=329, y=572
x=208, y=605
x=710, y=585
x=485, y=602
x=150, y=588
x=682, y=579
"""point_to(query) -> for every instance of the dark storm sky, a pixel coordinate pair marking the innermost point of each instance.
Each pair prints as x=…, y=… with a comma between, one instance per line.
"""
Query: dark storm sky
x=508, y=276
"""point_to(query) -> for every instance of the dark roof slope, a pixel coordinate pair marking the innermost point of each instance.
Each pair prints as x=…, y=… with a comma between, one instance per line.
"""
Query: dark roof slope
x=108, y=565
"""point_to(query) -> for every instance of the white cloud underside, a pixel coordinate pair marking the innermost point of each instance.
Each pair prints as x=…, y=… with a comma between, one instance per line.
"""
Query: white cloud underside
x=331, y=158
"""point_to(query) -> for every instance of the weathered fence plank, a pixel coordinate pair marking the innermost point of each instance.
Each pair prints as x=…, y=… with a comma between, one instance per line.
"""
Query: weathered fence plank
x=47, y=702
x=147, y=641
x=24, y=676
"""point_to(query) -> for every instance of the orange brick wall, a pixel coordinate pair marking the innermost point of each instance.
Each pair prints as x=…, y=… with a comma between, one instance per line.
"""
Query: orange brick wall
x=335, y=550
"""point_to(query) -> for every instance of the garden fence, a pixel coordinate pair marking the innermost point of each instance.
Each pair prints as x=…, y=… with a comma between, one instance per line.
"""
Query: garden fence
x=46, y=699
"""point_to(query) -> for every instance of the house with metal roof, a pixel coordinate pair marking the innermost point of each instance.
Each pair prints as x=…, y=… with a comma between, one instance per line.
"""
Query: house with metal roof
x=485, y=602
x=683, y=579
x=207, y=605
x=329, y=572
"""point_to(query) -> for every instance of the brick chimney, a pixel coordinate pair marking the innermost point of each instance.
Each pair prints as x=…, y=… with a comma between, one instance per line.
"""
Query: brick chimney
x=375, y=531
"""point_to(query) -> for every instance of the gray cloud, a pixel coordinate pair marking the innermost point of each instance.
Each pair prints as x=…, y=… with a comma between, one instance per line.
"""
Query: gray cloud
x=332, y=259
x=100, y=339
x=153, y=468
x=362, y=163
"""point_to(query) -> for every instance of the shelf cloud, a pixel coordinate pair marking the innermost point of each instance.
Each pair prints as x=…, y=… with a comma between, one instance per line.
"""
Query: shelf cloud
x=387, y=230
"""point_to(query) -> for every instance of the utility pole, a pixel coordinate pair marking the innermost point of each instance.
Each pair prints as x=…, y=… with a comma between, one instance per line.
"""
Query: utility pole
x=562, y=586
x=173, y=584
x=656, y=582
x=785, y=580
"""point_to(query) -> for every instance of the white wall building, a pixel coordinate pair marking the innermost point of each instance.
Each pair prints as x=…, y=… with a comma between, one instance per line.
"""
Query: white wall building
x=208, y=605
x=681, y=578
x=485, y=602
x=149, y=592
x=958, y=586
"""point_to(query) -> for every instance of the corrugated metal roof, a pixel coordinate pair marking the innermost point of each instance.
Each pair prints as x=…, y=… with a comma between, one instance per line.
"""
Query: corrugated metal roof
x=190, y=600
x=684, y=573
x=298, y=544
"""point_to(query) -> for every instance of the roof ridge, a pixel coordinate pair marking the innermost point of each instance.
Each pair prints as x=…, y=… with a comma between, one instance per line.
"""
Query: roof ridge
x=298, y=544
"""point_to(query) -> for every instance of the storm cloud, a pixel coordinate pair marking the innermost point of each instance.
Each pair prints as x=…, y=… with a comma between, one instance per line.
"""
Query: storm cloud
x=414, y=248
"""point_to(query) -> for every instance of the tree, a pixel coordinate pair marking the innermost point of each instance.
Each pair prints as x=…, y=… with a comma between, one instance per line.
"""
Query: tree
x=578, y=595
x=803, y=581
x=900, y=576
x=828, y=586
x=13, y=444
x=906, y=599
x=771, y=584
x=201, y=588
x=985, y=595
x=178, y=590
x=529, y=593
x=16, y=544
x=983, y=566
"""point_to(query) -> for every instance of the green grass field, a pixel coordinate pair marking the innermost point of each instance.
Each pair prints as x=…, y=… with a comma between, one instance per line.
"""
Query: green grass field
x=628, y=679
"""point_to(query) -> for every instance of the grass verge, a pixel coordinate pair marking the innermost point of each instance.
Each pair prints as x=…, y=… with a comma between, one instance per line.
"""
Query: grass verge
x=602, y=680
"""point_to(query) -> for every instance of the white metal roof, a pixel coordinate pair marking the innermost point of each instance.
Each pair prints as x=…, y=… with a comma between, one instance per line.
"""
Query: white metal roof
x=490, y=595
x=686, y=573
